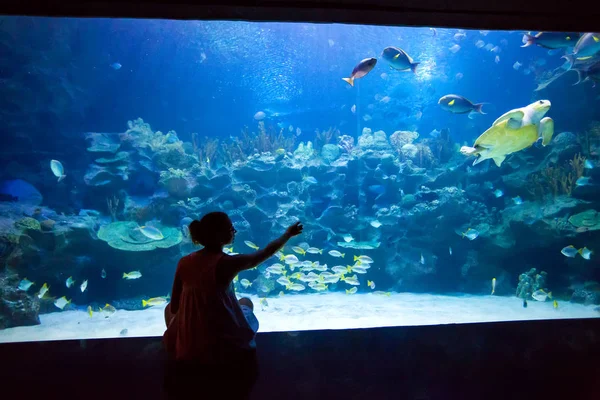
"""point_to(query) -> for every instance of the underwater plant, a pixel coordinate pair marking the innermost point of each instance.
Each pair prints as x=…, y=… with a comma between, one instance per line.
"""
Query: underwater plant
x=556, y=180
x=325, y=137
x=113, y=207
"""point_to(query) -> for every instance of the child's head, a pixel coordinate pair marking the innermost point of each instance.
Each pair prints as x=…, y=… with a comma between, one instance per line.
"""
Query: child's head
x=213, y=231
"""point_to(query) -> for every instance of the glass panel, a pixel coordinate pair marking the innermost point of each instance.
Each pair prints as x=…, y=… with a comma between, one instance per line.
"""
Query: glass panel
x=449, y=177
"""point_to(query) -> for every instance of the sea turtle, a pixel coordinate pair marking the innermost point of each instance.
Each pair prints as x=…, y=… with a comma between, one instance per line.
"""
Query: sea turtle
x=515, y=130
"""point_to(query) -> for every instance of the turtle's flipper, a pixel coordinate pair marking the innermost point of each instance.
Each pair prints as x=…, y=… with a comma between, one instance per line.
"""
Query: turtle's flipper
x=546, y=130
x=499, y=160
x=514, y=115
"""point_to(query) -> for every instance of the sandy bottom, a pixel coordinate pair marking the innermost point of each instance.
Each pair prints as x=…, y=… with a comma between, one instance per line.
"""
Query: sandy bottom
x=309, y=312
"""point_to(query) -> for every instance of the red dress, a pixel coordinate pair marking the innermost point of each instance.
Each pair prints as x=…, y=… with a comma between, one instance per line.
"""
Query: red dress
x=209, y=322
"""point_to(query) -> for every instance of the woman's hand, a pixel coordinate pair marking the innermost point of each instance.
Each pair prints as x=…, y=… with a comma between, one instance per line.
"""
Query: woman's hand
x=294, y=230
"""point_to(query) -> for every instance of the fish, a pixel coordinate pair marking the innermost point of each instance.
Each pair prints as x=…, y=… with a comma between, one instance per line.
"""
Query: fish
x=517, y=200
x=20, y=191
x=339, y=269
x=459, y=105
x=371, y=284
x=498, y=193
x=331, y=42
x=555, y=304
x=281, y=293
x=364, y=259
x=298, y=131
x=495, y=49
x=375, y=224
x=517, y=65
x=361, y=69
x=352, y=290
x=299, y=250
x=150, y=232
x=551, y=40
x=450, y=250
x=540, y=295
x=454, y=49
x=57, y=169
x=335, y=253
x=583, y=181
x=69, y=282
x=585, y=253
x=479, y=44
x=353, y=280
x=251, y=245
x=359, y=269
x=44, y=289
x=422, y=259
x=90, y=311
x=260, y=115
x=588, y=164
x=115, y=66
x=571, y=251
x=470, y=234
x=497, y=59
x=493, y=285
x=318, y=286
x=433, y=31
x=399, y=59
x=83, y=286
x=460, y=36
x=359, y=245
x=377, y=189
x=103, y=274
x=264, y=303
x=132, y=275
x=283, y=281
x=290, y=259
x=246, y=283
x=62, y=302
x=25, y=284
x=379, y=292
x=296, y=287
x=154, y=301
x=311, y=179
x=459, y=76
x=108, y=310
x=587, y=45
x=347, y=237
x=353, y=109
x=314, y=250
x=524, y=303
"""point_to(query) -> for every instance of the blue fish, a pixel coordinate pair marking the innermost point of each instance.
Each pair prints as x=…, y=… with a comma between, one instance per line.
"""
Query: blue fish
x=115, y=66
x=20, y=191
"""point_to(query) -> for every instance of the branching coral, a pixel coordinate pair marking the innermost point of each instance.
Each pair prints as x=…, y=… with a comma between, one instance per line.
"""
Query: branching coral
x=556, y=180
x=590, y=140
x=325, y=137
x=113, y=207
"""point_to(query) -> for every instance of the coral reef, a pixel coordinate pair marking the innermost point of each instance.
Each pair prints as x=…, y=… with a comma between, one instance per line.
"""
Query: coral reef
x=125, y=235
x=17, y=308
x=529, y=282
x=556, y=180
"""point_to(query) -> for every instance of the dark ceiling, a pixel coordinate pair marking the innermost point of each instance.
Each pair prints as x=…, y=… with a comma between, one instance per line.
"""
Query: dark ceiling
x=479, y=14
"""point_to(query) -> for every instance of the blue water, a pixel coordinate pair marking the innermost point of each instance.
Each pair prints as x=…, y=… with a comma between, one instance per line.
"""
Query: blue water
x=63, y=78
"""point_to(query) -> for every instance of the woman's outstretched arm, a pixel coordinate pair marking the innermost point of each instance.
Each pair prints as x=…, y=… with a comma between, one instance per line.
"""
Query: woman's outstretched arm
x=233, y=265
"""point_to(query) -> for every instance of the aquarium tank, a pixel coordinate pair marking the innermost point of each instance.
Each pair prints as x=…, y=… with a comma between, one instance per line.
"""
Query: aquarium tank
x=441, y=175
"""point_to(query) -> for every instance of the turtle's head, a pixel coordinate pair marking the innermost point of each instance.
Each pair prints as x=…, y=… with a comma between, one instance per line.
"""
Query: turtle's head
x=540, y=108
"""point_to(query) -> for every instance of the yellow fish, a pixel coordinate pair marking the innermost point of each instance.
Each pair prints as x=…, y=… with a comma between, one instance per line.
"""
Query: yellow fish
x=371, y=284
x=493, y=285
x=251, y=245
x=155, y=301
x=89, y=311
x=555, y=304
x=351, y=291
x=299, y=250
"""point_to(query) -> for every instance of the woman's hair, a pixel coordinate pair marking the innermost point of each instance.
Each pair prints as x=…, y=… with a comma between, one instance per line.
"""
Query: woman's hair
x=212, y=231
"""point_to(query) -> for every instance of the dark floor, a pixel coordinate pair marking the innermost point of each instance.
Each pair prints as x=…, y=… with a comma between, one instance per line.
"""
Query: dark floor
x=535, y=360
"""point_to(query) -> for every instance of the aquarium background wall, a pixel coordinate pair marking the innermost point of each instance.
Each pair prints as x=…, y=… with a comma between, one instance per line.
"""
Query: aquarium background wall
x=116, y=133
